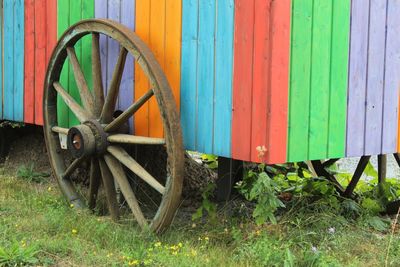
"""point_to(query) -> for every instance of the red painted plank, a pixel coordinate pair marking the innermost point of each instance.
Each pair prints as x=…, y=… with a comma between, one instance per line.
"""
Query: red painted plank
x=40, y=56
x=29, y=68
x=278, y=104
x=261, y=77
x=242, y=79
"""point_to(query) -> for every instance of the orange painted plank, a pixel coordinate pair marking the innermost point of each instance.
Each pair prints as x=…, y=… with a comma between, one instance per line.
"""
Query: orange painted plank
x=157, y=44
x=173, y=34
x=243, y=79
x=278, y=104
x=261, y=77
x=29, y=59
x=141, y=82
x=40, y=56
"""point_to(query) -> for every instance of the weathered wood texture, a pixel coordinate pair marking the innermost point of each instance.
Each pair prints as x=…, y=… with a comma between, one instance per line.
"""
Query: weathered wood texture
x=206, y=77
x=70, y=12
x=374, y=78
x=158, y=23
x=13, y=41
x=122, y=11
x=40, y=39
x=261, y=67
x=318, y=79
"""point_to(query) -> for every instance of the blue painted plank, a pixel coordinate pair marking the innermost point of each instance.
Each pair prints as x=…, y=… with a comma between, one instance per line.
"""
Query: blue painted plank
x=376, y=61
x=113, y=7
x=8, y=102
x=205, y=76
x=223, y=78
x=18, y=60
x=189, y=72
x=392, y=79
x=357, y=78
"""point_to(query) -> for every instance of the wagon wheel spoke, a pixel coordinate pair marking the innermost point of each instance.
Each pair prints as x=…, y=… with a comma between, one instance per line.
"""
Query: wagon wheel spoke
x=72, y=167
x=79, y=112
x=135, y=167
x=109, y=188
x=96, y=74
x=121, y=119
x=120, y=176
x=111, y=98
x=94, y=184
x=133, y=139
x=60, y=130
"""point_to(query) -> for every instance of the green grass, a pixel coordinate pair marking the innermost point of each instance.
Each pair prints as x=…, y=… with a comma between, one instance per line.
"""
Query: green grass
x=37, y=227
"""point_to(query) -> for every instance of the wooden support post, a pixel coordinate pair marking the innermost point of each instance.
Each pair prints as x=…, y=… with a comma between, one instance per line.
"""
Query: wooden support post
x=329, y=162
x=381, y=168
x=321, y=171
x=397, y=158
x=356, y=176
x=230, y=171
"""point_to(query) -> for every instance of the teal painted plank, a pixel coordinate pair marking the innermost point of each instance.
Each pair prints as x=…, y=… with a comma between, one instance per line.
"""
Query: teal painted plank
x=8, y=102
x=223, y=78
x=320, y=79
x=189, y=72
x=299, y=83
x=339, y=78
x=205, y=76
x=18, y=60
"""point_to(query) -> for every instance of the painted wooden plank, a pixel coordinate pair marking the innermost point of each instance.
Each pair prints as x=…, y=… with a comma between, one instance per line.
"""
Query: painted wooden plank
x=375, y=78
x=189, y=72
x=127, y=83
x=63, y=20
x=320, y=79
x=101, y=9
x=223, y=78
x=141, y=118
x=392, y=79
x=261, y=77
x=242, y=79
x=279, y=85
x=205, y=75
x=8, y=95
x=339, y=78
x=173, y=33
x=29, y=69
x=86, y=56
x=357, y=78
x=18, y=60
x=300, y=74
x=157, y=44
x=40, y=55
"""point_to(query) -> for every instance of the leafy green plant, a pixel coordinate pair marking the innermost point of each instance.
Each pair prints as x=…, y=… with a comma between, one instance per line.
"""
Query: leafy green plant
x=17, y=255
x=28, y=173
x=259, y=187
x=207, y=205
x=211, y=161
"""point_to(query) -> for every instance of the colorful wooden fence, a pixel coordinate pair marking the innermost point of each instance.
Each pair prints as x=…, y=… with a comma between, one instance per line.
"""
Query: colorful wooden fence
x=300, y=79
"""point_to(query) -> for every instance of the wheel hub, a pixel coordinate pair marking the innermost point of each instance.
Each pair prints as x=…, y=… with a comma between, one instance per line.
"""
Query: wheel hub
x=87, y=139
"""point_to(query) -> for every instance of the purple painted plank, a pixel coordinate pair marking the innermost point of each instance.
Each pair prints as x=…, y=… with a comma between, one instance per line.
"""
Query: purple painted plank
x=100, y=11
x=376, y=62
x=127, y=83
x=392, y=79
x=357, y=78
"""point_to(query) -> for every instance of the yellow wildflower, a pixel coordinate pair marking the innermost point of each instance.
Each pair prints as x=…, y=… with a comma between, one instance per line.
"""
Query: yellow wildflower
x=133, y=263
x=180, y=244
x=74, y=231
x=49, y=189
x=206, y=238
x=157, y=244
x=71, y=205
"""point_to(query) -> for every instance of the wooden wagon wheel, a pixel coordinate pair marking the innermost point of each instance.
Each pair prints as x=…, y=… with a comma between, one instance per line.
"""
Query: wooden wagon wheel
x=98, y=139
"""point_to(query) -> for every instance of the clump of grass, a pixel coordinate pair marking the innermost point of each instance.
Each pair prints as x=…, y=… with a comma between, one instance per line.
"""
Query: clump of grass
x=28, y=173
x=18, y=254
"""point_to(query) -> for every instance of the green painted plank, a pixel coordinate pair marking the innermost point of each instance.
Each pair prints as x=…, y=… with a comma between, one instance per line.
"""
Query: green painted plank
x=62, y=24
x=320, y=79
x=300, y=73
x=69, y=13
x=339, y=78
